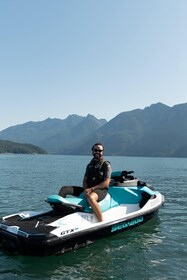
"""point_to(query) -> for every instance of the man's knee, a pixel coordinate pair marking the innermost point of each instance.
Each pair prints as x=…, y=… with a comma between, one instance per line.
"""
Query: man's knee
x=93, y=197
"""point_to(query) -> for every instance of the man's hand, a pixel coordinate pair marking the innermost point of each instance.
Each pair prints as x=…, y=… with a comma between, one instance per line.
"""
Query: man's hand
x=88, y=191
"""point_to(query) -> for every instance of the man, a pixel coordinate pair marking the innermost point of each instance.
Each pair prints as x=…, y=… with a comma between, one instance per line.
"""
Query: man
x=95, y=182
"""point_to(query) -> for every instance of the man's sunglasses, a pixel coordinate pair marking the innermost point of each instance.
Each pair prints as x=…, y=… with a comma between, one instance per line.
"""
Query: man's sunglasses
x=97, y=150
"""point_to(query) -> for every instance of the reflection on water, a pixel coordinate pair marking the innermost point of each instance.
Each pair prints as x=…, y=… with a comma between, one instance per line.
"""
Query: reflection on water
x=103, y=259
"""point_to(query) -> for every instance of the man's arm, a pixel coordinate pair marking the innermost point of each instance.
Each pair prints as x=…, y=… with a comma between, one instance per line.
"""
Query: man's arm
x=84, y=183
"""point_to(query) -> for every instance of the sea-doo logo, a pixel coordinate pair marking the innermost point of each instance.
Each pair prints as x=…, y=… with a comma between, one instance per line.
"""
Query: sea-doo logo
x=127, y=224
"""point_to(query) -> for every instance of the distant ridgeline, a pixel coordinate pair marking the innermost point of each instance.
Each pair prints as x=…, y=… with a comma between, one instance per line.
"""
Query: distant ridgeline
x=17, y=148
x=155, y=131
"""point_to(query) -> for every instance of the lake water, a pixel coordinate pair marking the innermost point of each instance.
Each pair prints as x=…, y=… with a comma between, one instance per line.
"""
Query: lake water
x=156, y=250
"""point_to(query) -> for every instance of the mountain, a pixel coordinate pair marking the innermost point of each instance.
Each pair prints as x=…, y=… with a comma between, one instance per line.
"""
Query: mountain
x=157, y=130
x=17, y=148
x=54, y=135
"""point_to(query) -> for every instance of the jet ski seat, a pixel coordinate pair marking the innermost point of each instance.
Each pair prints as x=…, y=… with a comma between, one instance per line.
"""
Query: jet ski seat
x=80, y=203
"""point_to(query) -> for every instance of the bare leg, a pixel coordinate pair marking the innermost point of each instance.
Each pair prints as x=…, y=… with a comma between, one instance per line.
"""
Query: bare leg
x=92, y=200
x=65, y=190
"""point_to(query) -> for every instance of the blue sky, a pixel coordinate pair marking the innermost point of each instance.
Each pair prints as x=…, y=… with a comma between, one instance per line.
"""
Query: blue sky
x=99, y=57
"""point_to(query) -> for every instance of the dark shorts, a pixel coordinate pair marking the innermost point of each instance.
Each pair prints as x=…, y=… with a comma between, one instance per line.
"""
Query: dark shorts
x=77, y=190
x=101, y=193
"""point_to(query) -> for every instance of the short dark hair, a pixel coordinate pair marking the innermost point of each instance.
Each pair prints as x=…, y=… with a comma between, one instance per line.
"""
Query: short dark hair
x=96, y=144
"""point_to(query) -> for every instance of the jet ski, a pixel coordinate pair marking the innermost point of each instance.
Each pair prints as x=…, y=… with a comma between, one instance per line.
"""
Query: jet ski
x=70, y=223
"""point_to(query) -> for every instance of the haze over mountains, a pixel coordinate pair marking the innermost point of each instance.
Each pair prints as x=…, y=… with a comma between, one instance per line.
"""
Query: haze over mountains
x=157, y=130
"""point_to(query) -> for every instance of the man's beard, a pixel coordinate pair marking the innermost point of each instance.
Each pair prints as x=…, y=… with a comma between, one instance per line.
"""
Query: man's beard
x=97, y=157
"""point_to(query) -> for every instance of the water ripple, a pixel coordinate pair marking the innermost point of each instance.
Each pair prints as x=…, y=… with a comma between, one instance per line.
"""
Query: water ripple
x=154, y=251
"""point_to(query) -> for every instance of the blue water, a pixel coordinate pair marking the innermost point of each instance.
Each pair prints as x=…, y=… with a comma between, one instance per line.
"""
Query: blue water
x=156, y=250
